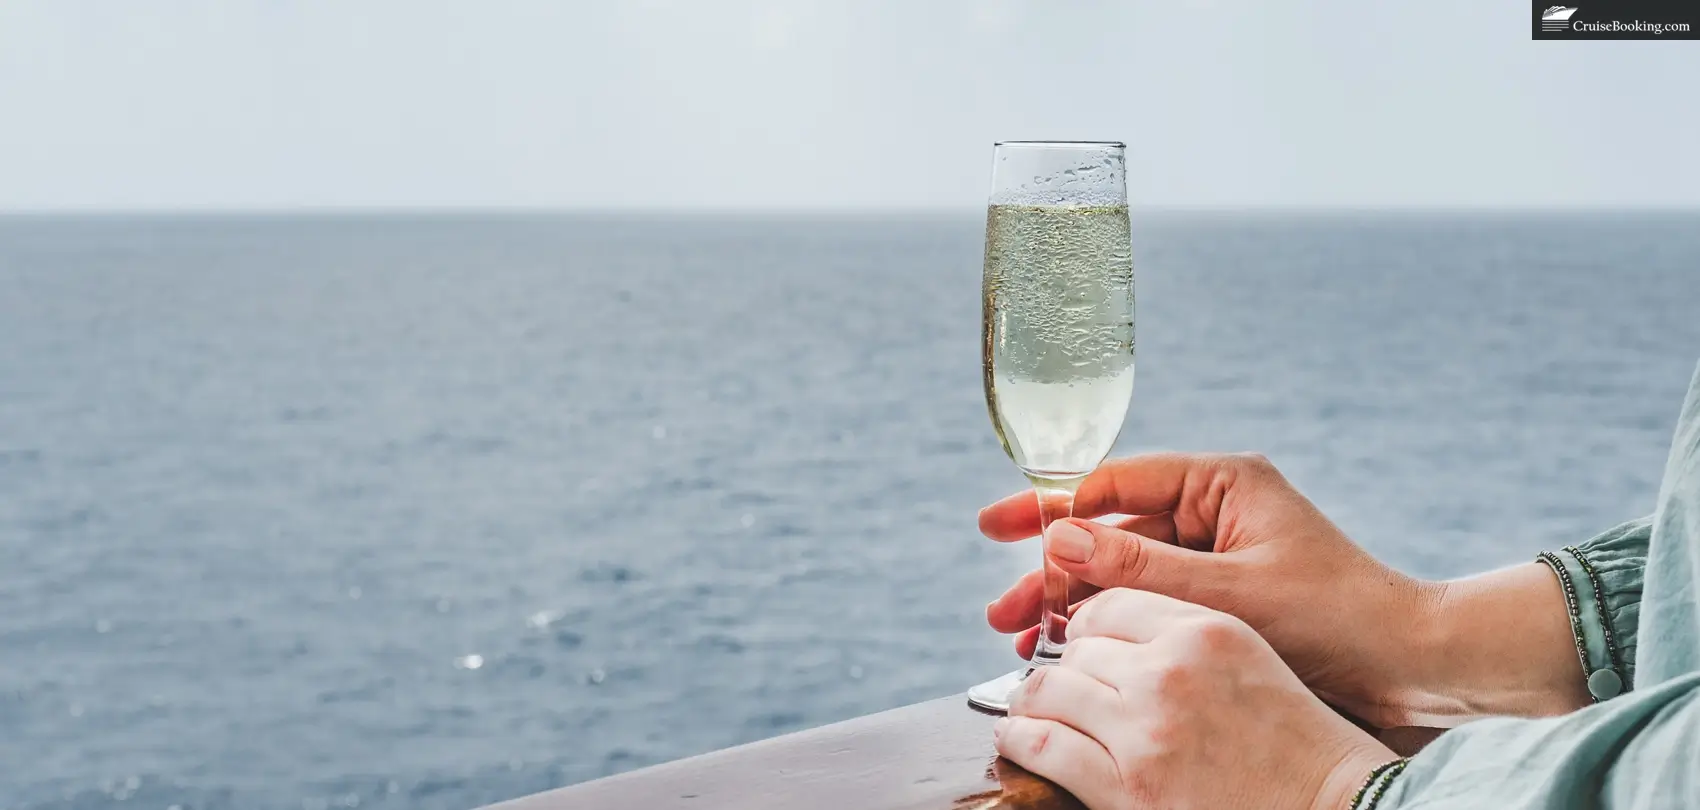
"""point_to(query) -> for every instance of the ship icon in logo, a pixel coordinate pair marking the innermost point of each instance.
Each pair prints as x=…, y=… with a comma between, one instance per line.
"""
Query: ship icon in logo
x=1557, y=18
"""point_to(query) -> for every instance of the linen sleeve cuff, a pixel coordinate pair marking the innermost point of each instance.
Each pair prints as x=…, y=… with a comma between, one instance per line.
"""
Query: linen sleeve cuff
x=1602, y=580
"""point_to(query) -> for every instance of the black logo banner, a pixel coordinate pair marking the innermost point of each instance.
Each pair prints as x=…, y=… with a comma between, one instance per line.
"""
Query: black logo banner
x=1617, y=19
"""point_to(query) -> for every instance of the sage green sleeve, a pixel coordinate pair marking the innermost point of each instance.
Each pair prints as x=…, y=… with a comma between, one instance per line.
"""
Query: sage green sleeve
x=1638, y=752
x=1602, y=580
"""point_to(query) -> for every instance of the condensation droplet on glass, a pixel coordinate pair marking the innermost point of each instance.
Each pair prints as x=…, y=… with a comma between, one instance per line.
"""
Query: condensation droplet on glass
x=472, y=661
x=76, y=710
x=354, y=593
x=855, y=673
x=596, y=676
x=747, y=520
x=103, y=626
x=443, y=606
x=659, y=432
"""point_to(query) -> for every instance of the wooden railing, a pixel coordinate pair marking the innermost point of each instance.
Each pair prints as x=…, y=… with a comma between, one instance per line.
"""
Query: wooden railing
x=930, y=756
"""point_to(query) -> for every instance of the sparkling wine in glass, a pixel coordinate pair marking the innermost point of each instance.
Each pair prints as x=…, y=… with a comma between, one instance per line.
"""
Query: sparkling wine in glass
x=1058, y=336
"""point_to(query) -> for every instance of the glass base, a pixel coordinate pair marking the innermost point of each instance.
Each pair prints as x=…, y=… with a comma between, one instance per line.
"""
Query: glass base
x=993, y=695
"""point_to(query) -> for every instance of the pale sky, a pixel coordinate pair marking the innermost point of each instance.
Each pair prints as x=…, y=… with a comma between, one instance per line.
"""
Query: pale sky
x=121, y=104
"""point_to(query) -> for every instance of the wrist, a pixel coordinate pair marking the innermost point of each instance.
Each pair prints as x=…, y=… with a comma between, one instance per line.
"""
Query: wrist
x=1494, y=644
x=1404, y=653
x=1427, y=672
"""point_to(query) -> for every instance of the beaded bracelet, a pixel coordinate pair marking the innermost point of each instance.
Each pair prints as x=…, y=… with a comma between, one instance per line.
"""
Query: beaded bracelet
x=1387, y=770
x=1569, y=587
x=1605, y=615
x=1606, y=677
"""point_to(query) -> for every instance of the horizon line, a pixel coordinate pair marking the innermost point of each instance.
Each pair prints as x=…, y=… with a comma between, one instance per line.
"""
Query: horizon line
x=811, y=210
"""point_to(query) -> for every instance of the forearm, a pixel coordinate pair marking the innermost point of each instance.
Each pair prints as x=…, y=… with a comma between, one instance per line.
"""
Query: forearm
x=1499, y=643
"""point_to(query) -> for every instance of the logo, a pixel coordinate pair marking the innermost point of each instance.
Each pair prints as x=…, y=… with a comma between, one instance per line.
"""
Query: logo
x=1615, y=19
x=1556, y=18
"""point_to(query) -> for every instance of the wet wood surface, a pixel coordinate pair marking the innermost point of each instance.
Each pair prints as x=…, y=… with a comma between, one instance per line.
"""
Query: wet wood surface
x=930, y=756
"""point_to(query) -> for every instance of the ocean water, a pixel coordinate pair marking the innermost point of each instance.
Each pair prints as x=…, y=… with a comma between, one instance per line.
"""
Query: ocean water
x=430, y=512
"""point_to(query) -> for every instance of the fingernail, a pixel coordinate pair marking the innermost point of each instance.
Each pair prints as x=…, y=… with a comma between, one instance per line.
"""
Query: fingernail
x=999, y=726
x=1070, y=542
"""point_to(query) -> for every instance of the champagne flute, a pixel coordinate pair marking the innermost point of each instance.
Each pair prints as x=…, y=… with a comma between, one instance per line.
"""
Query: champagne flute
x=1057, y=335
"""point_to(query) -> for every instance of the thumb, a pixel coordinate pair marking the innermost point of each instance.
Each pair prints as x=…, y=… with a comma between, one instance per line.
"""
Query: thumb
x=1111, y=558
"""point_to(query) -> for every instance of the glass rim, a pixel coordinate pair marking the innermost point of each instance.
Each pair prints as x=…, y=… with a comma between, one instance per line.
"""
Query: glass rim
x=1065, y=144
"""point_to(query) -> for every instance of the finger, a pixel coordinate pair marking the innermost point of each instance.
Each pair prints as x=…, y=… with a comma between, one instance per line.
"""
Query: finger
x=1140, y=485
x=1130, y=615
x=1009, y=521
x=1157, y=527
x=1076, y=762
x=1014, y=517
x=1069, y=697
x=1017, y=518
x=1028, y=639
x=1026, y=642
x=1106, y=660
x=1019, y=607
x=1148, y=484
x=1111, y=558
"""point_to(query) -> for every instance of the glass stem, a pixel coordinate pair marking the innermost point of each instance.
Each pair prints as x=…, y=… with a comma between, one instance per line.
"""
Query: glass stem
x=1056, y=501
